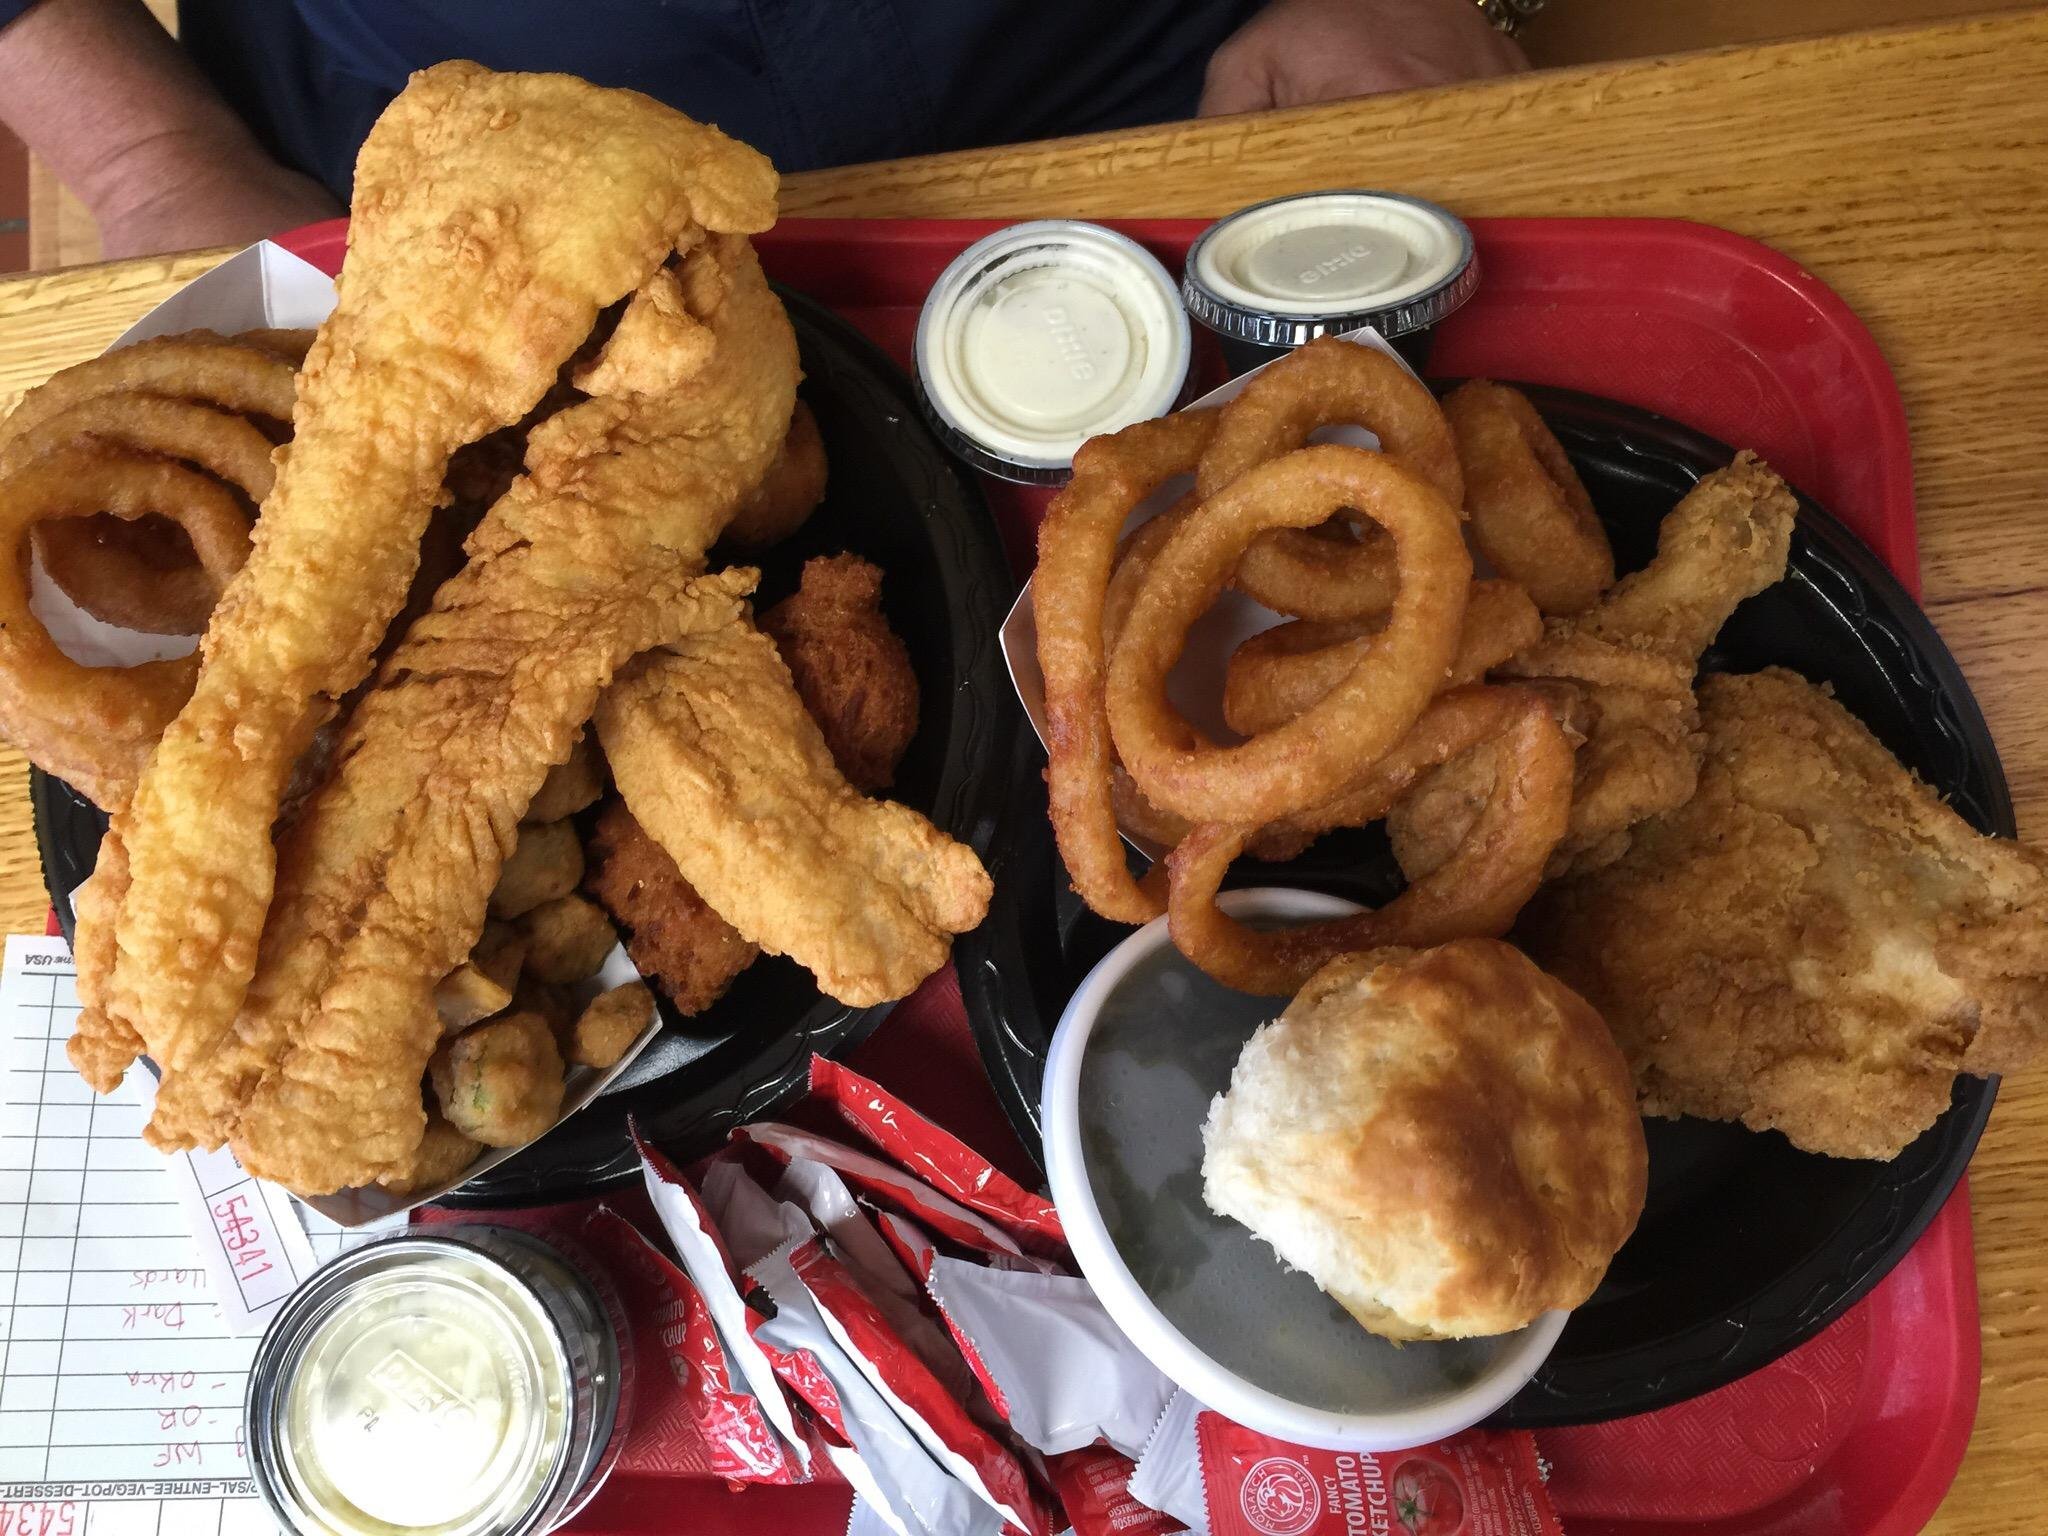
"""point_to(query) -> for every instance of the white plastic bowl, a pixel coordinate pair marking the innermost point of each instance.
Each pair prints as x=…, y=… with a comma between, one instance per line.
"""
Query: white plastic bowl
x=1493, y=1371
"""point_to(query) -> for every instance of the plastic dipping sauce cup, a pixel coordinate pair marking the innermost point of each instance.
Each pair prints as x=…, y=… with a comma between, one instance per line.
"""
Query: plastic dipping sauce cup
x=468, y=1383
x=1043, y=335
x=1278, y=274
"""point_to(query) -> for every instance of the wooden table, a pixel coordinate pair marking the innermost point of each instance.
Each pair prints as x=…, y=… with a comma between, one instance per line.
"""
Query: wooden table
x=1909, y=168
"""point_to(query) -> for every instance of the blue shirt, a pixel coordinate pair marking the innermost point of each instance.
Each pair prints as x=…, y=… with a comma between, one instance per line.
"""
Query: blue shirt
x=811, y=82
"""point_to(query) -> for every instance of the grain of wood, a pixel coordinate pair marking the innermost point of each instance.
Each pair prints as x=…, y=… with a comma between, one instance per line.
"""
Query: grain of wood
x=1908, y=169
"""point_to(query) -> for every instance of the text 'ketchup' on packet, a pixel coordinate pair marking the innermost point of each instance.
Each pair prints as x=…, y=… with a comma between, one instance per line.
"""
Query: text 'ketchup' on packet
x=1094, y=1486
x=1477, y=1483
x=937, y=1156
x=741, y=1444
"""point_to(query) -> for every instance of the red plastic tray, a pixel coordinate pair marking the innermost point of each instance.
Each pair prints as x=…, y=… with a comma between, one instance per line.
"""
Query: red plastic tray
x=1860, y=1431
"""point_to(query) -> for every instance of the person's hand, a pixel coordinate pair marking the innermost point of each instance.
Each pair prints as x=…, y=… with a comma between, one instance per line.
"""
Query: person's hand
x=212, y=201
x=1296, y=52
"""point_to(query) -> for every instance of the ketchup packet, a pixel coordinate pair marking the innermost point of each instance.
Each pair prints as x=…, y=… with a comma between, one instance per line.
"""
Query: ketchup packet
x=882, y=1182
x=1094, y=1487
x=895, y=1292
x=1055, y=1366
x=743, y=1446
x=938, y=1157
x=881, y=1457
x=1477, y=1483
x=710, y=1267
x=912, y=1246
x=1169, y=1474
x=934, y=1414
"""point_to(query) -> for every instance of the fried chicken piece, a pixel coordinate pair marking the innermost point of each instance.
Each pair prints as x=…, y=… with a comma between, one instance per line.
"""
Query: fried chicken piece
x=851, y=670
x=589, y=559
x=570, y=786
x=713, y=752
x=1814, y=943
x=790, y=492
x=1631, y=658
x=501, y=1083
x=606, y=1030
x=671, y=934
x=494, y=216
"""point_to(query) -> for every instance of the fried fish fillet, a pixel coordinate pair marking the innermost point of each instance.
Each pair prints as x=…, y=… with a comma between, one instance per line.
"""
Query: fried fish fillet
x=590, y=558
x=494, y=216
x=1814, y=943
x=715, y=756
x=1630, y=659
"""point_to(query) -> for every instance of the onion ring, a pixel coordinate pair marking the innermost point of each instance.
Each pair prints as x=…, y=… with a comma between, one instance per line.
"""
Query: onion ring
x=1478, y=892
x=1531, y=516
x=1319, y=753
x=1328, y=573
x=95, y=727
x=141, y=574
x=199, y=365
x=1279, y=672
x=1077, y=543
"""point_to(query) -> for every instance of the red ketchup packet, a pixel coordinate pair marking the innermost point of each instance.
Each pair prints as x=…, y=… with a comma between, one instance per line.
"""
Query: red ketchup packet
x=743, y=1446
x=900, y=1297
x=938, y=1157
x=934, y=1414
x=884, y=1183
x=1094, y=1487
x=1477, y=1483
x=889, y=1468
x=710, y=1267
x=1058, y=1370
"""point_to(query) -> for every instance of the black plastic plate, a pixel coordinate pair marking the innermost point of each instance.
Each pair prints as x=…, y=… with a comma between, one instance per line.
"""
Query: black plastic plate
x=897, y=498
x=1747, y=1247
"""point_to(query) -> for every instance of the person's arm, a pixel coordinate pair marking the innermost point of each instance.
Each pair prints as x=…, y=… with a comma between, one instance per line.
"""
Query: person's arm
x=1295, y=52
x=107, y=99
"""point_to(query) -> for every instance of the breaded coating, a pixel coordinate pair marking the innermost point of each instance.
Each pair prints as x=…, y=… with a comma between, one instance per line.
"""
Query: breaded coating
x=443, y=1153
x=606, y=1030
x=1814, y=943
x=850, y=668
x=494, y=216
x=671, y=934
x=1631, y=660
x=713, y=752
x=589, y=559
x=789, y=493
x=466, y=996
x=500, y=1084
x=567, y=940
x=545, y=863
x=570, y=785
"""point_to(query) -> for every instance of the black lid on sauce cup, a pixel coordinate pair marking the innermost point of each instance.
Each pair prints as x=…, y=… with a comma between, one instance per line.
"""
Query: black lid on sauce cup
x=1278, y=274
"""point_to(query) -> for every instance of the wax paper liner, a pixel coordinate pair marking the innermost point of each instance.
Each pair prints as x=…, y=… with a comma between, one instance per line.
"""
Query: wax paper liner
x=881, y=1457
x=1056, y=1367
x=708, y=1264
x=938, y=1157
